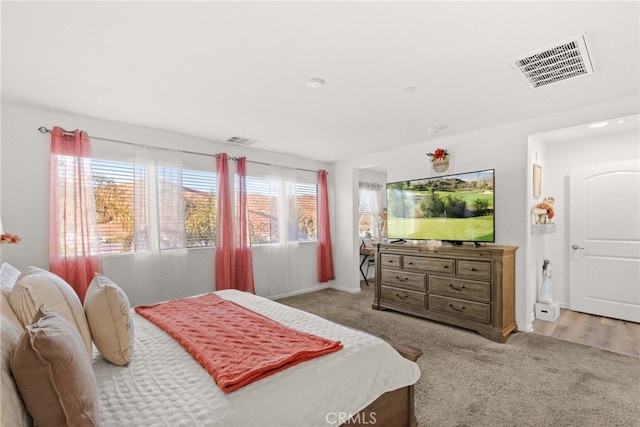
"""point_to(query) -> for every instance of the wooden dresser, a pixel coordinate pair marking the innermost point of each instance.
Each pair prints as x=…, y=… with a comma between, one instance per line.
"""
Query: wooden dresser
x=465, y=286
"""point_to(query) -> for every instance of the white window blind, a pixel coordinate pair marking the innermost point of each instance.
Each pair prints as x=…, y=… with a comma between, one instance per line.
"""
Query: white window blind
x=200, y=204
x=114, y=194
x=307, y=212
x=278, y=203
x=286, y=203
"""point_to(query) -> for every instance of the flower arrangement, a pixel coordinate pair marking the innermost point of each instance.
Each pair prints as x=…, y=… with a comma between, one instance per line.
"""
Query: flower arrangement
x=9, y=238
x=547, y=204
x=543, y=212
x=439, y=154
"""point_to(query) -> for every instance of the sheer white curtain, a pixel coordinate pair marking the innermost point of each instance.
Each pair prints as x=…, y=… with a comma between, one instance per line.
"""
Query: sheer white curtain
x=143, y=187
x=170, y=200
x=369, y=209
x=283, y=271
x=158, y=267
x=160, y=244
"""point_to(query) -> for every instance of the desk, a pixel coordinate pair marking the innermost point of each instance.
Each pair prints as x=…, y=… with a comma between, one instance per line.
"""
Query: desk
x=366, y=252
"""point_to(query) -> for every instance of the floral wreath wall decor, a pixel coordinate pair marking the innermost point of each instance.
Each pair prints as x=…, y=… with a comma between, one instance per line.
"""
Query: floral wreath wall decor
x=440, y=160
x=9, y=238
x=543, y=212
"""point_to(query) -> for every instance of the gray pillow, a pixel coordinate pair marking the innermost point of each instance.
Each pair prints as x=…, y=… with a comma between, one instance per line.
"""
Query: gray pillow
x=54, y=375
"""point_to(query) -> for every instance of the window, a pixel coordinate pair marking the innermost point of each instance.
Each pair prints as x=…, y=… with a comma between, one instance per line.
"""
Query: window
x=114, y=195
x=307, y=212
x=366, y=225
x=125, y=209
x=199, y=193
x=275, y=203
x=370, y=222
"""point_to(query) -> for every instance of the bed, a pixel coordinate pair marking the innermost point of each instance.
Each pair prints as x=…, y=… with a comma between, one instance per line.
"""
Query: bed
x=368, y=381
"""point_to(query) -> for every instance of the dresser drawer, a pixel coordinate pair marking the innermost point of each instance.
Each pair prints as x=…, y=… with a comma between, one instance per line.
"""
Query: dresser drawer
x=404, y=279
x=438, y=265
x=479, y=269
x=476, y=311
x=460, y=288
x=403, y=296
x=389, y=260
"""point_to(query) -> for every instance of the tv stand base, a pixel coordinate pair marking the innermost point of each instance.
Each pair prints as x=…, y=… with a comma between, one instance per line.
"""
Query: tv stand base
x=465, y=286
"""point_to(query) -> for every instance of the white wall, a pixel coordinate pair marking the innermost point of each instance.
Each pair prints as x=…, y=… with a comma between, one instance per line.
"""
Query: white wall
x=503, y=148
x=346, y=254
x=24, y=180
x=560, y=159
x=24, y=172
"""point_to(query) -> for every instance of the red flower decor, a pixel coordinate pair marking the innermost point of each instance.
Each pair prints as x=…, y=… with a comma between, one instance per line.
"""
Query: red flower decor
x=9, y=238
x=547, y=204
x=439, y=154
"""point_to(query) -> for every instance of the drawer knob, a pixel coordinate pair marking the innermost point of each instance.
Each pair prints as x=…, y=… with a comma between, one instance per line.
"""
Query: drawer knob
x=457, y=289
x=402, y=279
x=445, y=266
x=402, y=297
x=473, y=269
x=456, y=308
x=410, y=263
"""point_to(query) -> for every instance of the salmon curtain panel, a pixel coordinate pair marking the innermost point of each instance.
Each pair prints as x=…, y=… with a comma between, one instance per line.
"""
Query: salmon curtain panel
x=233, y=259
x=74, y=247
x=224, y=227
x=325, y=255
x=244, y=258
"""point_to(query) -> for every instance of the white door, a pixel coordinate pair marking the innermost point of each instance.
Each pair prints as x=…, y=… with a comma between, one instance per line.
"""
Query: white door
x=605, y=240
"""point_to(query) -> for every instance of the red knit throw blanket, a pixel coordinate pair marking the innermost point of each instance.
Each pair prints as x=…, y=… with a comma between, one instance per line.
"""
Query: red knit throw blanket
x=234, y=344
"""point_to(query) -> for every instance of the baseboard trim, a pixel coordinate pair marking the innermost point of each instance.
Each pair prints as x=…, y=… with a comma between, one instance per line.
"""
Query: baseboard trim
x=348, y=290
x=299, y=292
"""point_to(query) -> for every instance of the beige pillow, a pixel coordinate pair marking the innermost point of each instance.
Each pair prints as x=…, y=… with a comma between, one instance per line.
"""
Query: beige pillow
x=53, y=374
x=36, y=287
x=12, y=410
x=109, y=316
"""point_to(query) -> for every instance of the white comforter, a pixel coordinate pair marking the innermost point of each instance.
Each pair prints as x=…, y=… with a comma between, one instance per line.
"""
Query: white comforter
x=163, y=385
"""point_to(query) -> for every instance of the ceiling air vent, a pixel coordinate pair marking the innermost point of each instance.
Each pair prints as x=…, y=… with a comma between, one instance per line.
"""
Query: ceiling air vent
x=240, y=140
x=562, y=61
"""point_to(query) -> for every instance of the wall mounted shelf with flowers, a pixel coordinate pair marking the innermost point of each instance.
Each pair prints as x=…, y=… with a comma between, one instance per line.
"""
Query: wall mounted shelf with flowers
x=9, y=238
x=440, y=160
x=542, y=216
x=6, y=237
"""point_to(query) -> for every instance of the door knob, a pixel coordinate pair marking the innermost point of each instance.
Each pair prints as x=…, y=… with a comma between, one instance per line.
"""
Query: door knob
x=576, y=247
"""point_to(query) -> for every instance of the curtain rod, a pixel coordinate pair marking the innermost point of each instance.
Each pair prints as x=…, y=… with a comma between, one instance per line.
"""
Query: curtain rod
x=43, y=129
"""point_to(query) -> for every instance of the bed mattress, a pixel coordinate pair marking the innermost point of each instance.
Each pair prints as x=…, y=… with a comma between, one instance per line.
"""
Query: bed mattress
x=164, y=385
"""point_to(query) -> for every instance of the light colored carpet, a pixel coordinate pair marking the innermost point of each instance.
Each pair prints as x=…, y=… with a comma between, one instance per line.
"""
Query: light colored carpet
x=467, y=380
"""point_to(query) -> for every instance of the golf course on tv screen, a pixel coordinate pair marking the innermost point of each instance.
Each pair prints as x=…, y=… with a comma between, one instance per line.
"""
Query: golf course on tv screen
x=456, y=208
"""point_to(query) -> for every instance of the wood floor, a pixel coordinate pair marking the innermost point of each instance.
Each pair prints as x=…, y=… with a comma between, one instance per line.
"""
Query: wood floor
x=611, y=334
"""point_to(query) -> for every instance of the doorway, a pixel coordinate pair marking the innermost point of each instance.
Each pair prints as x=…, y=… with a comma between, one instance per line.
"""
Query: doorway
x=595, y=331
x=558, y=153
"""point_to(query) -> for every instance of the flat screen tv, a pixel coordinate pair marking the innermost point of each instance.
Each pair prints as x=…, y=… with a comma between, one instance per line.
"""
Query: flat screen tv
x=452, y=208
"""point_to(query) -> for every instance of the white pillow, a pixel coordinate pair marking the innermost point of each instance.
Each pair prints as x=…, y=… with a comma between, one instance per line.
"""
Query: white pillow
x=36, y=287
x=109, y=316
x=8, y=276
x=12, y=409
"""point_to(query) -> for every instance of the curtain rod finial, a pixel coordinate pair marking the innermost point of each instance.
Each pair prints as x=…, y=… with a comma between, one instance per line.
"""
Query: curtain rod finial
x=43, y=129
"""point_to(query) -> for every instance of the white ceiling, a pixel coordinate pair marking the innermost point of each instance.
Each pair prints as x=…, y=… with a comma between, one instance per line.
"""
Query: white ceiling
x=221, y=69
